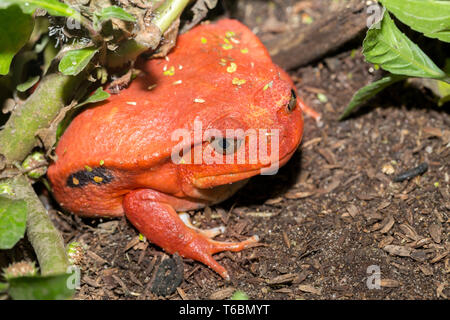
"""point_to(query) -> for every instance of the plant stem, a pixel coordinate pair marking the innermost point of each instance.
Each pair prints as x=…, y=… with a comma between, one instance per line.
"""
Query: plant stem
x=129, y=50
x=18, y=137
x=168, y=12
x=42, y=234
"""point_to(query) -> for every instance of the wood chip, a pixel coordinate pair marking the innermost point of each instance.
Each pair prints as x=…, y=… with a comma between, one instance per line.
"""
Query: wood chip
x=262, y=214
x=134, y=279
x=419, y=255
x=420, y=243
x=384, y=204
x=435, y=231
x=409, y=231
x=131, y=243
x=309, y=289
x=327, y=154
x=389, y=223
x=351, y=179
x=389, y=283
x=90, y=282
x=182, y=294
x=108, y=227
x=352, y=210
x=284, y=278
x=331, y=186
x=286, y=239
x=366, y=196
x=96, y=257
x=432, y=132
x=299, y=195
x=385, y=241
x=283, y=290
x=440, y=290
x=398, y=250
x=439, y=257
x=311, y=142
x=222, y=294
x=121, y=283
x=426, y=269
x=274, y=201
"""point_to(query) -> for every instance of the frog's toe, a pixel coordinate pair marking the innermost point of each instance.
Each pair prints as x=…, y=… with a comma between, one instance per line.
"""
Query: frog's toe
x=202, y=249
x=209, y=233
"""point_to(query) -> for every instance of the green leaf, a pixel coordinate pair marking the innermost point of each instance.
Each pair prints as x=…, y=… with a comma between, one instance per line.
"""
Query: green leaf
x=13, y=218
x=40, y=288
x=97, y=96
x=396, y=53
x=53, y=7
x=430, y=17
x=27, y=84
x=239, y=295
x=16, y=28
x=440, y=89
x=114, y=12
x=75, y=61
x=3, y=286
x=368, y=92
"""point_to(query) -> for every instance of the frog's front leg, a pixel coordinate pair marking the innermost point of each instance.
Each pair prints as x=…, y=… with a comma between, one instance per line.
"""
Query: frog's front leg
x=153, y=215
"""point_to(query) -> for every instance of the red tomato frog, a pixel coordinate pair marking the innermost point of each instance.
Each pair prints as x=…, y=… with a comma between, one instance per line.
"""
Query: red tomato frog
x=187, y=133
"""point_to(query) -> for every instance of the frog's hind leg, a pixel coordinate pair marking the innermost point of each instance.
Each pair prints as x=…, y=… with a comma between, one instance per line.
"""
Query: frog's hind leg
x=153, y=215
x=209, y=233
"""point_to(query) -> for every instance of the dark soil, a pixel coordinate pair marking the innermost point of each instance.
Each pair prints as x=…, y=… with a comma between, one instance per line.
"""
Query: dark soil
x=328, y=218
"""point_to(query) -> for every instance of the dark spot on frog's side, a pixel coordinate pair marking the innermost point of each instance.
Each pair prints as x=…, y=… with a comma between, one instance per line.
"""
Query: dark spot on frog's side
x=97, y=176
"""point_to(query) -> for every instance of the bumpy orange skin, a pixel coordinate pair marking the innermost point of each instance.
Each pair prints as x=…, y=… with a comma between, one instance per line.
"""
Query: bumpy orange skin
x=115, y=157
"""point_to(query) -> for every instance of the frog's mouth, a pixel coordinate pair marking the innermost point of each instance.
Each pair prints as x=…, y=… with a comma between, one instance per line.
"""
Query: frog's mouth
x=227, y=178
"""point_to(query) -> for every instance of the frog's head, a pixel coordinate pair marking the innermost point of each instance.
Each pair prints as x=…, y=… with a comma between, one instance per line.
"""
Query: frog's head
x=236, y=143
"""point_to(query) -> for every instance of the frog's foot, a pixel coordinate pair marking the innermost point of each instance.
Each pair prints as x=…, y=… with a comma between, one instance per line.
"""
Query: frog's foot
x=151, y=213
x=209, y=233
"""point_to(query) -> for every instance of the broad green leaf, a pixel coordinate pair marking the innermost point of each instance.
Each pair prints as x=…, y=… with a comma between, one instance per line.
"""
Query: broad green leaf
x=15, y=30
x=53, y=7
x=75, y=61
x=430, y=17
x=40, y=288
x=368, y=92
x=388, y=47
x=114, y=12
x=27, y=84
x=13, y=218
x=97, y=96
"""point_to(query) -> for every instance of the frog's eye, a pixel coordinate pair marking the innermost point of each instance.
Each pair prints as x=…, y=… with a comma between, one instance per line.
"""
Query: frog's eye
x=292, y=102
x=226, y=146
